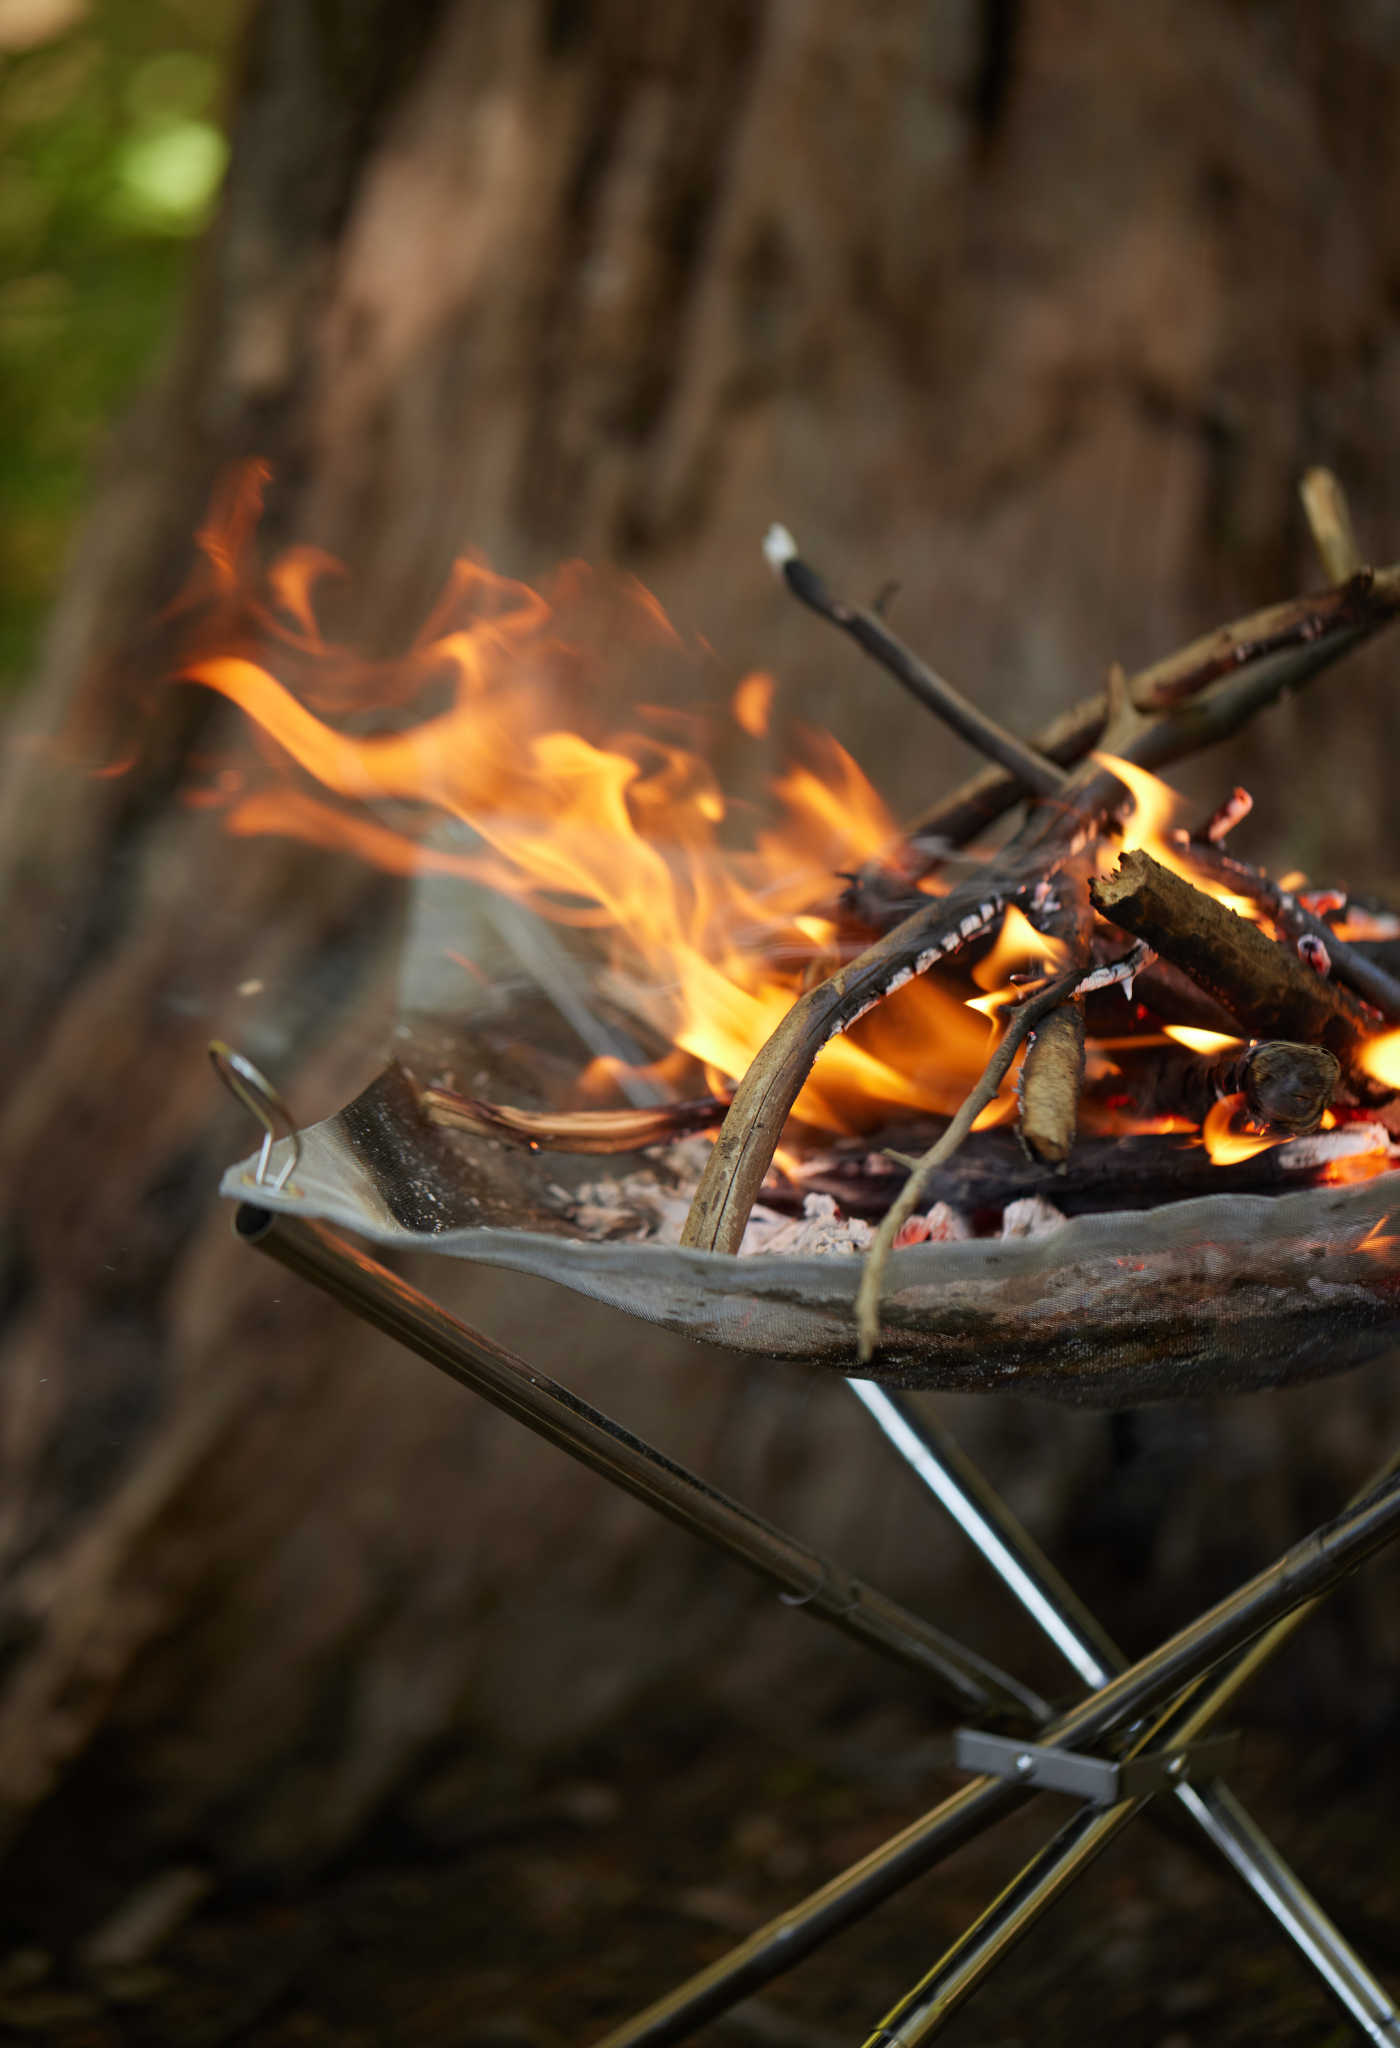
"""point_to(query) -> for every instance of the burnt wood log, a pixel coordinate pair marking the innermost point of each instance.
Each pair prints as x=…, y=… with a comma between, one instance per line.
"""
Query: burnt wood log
x=1287, y=1088
x=1369, y=977
x=1137, y=1171
x=1262, y=984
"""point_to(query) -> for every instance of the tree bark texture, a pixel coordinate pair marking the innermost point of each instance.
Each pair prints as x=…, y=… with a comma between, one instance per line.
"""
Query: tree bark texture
x=1045, y=329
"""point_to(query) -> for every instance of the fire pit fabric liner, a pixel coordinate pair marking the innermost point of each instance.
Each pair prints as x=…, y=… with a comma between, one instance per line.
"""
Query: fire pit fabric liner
x=1227, y=1293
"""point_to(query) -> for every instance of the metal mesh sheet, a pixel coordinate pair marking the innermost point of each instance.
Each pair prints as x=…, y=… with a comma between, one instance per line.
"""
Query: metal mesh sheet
x=1228, y=1293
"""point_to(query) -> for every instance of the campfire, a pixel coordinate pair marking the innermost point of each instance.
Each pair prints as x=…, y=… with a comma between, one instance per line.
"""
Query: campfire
x=1055, y=1000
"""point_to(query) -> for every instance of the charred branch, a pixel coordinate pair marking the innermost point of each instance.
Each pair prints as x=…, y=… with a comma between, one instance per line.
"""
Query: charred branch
x=1052, y=1076
x=1286, y=1088
x=1136, y=1171
x=1366, y=977
x=872, y=634
x=1263, y=984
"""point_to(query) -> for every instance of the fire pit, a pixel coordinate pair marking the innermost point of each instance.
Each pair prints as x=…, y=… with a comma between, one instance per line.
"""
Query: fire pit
x=1222, y=1292
x=1196, y=1197
x=1196, y=1193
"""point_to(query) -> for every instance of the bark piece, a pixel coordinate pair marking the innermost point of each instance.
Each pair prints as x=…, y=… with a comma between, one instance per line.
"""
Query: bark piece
x=579, y=1130
x=1263, y=984
x=1051, y=1081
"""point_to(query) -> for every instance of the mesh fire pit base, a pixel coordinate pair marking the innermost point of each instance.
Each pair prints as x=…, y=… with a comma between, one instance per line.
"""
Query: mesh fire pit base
x=1220, y=1294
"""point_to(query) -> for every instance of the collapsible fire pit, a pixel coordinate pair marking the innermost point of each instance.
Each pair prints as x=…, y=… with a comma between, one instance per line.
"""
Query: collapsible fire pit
x=1222, y=1293
x=1196, y=1199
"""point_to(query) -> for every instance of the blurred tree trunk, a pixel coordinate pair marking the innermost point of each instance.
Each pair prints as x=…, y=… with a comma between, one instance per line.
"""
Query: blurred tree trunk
x=1040, y=311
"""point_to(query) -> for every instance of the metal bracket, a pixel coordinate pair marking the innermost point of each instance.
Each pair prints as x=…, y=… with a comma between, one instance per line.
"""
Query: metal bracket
x=1101, y=1780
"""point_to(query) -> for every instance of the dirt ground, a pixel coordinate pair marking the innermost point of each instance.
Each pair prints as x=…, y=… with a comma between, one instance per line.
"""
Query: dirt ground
x=528, y=1911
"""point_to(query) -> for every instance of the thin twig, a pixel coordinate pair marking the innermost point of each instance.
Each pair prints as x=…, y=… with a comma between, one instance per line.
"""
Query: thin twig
x=1329, y=520
x=1022, y=1022
x=871, y=633
x=1218, y=713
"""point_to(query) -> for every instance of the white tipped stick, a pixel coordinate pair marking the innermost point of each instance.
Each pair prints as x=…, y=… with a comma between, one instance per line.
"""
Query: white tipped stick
x=779, y=548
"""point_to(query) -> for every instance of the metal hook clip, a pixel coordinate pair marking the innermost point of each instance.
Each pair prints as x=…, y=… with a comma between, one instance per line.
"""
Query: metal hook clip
x=256, y=1093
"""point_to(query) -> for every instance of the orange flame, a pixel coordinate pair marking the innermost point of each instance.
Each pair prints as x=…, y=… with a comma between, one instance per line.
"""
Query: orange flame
x=752, y=703
x=1374, y=1244
x=1155, y=804
x=482, y=752
x=1226, y=1146
x=1201, y=1041
x=1019, y=946
x=1381, y=1059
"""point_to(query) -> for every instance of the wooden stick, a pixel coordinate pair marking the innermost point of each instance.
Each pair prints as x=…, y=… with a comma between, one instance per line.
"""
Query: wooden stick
x=871, y=633
x=1266, y=986
x=579, y=1130
x=1223, y=711
x=1052, y=1075
x=1052, y=1080
x=764, y=1098
x=1329, y=519
x=1286, y=1087
x=1369, y=980
x=1019, y=1026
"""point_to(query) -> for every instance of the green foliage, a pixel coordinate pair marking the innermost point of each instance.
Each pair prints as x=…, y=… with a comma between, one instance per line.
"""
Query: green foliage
x=111, y=153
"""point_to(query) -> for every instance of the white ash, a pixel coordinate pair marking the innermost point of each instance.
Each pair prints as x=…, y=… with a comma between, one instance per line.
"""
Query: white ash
x=1031, y=1216
x=1348, y=1141
x=646, y=1210
x=820, y=1228
x=639, y=1207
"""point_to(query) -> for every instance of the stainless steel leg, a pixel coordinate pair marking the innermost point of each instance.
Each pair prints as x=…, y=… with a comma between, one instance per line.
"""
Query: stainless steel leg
x=784, y=1942
x=1257, y=1861
x=1032, y=1579
x=952, y=1980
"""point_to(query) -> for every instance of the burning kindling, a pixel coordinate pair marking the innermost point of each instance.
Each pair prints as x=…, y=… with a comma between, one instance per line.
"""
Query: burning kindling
x=892, y=1038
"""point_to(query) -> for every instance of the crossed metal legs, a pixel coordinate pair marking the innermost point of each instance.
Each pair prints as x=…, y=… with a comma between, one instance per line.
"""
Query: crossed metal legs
x=1155, y=1709
x=1034, y=1582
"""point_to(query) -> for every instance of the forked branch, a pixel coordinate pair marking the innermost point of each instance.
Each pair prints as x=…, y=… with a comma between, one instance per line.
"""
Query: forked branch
x=1238, y=671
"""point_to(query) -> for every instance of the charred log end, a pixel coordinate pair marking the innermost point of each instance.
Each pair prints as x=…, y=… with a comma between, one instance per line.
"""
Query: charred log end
x=1051, y=1082
x=1261, y=983
x=1289, y=1087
